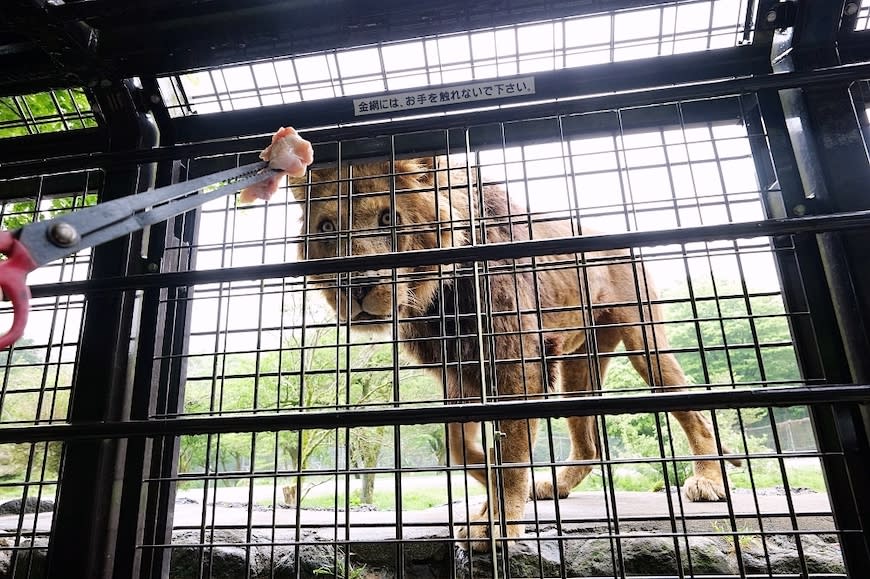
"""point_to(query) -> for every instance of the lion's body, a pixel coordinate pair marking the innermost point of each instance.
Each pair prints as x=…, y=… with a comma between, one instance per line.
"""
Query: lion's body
x=539, y=319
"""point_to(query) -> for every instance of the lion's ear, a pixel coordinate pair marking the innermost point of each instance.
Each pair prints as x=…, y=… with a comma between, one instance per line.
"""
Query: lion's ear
x=426, y=162
x=421, y=170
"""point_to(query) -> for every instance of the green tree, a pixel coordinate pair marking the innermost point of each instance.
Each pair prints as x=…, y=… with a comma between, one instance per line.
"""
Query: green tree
x=316, y=367
x=45, y=112
x=723, y=343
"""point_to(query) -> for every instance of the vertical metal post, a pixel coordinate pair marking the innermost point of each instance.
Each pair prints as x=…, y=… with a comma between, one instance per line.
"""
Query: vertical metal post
x=160, y=381
x=822, y=164
x=88, y=521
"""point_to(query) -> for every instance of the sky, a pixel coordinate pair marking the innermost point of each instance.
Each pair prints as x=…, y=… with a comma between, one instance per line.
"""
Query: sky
x=681, y=176
x=691, y=25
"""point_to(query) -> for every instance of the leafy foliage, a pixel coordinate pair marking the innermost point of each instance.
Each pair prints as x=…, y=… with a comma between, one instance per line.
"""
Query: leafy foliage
x=712, y=351
x=45, y=112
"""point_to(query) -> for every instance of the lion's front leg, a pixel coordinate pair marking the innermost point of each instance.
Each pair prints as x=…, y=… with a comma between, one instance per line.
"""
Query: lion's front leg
x=707, y=482
x=512, y=486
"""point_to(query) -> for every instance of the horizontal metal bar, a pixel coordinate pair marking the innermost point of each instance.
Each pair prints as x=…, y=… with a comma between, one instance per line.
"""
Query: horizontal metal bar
x=495, y=251
x=266, y=119
x=41, y=146
x=473, y=412
x=585, y=97
x=110, y=11
x=568, y=84
x=226, y=32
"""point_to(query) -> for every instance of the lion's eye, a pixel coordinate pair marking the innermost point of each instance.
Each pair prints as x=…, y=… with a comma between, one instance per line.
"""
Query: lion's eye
x=386, y=219
x=326, y=226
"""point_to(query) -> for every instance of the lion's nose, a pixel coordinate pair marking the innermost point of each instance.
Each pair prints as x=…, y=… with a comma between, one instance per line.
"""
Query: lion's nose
x=360, y=292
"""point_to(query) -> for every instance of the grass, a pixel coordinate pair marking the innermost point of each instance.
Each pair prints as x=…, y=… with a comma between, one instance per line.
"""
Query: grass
x=427, y=490
x=418, y=493
x=7, y=493
x=416, y=500
x=767, y=475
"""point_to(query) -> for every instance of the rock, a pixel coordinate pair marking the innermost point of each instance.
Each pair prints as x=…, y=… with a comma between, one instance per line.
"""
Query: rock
x=431, y=557
x=5, y=556
x=645, y=555
x=708, y=556
x=526, y=559
x=28, y=563
x=285, y=565
x=29, y=505
x=384, y=553
x=535, y=559
x=649, y=555
x=230, y=557
x=320, y=562
x=820, y=555
x=589, y=558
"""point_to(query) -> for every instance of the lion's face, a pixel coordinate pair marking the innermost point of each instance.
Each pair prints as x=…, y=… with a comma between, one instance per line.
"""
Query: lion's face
x=364, y=210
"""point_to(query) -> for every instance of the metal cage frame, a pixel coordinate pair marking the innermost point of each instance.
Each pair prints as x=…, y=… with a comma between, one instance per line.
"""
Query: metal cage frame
x=797, y=82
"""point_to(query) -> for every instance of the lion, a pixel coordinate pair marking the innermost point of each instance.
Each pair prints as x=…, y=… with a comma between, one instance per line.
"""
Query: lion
x=538, y=325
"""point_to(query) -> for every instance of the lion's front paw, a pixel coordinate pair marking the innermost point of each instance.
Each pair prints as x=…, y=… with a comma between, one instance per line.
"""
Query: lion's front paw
x=701, y=489
x=477, y=534
x=472, y=532
x=544, y=490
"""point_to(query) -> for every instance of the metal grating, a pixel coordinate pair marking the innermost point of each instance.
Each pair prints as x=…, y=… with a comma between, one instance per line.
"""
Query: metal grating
x=229, y=424
x=45, y=112
x=863, y=20
x=670, y=28
x=36, y=376
x=314, y=502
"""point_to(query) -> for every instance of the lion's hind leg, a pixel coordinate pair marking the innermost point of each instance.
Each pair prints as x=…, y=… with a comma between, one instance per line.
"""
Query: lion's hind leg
x=466, y=450
x=662, y=371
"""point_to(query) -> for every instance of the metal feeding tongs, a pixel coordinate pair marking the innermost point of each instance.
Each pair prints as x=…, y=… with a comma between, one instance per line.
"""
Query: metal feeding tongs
x=37, y=244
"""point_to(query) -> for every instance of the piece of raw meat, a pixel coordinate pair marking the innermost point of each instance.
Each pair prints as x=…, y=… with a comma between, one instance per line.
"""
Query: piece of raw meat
x=289, y=154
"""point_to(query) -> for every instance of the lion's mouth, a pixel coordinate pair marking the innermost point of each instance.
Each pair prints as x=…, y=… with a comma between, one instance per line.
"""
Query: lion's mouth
x=366, y=316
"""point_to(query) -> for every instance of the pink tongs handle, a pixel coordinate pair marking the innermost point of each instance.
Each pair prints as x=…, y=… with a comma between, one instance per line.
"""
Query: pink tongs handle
x=13, y=275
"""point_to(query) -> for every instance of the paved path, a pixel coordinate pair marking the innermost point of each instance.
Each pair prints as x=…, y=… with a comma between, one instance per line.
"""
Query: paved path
x=580, y=510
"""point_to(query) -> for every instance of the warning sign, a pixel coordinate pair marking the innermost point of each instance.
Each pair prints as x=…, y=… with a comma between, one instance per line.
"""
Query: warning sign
x=457, y=94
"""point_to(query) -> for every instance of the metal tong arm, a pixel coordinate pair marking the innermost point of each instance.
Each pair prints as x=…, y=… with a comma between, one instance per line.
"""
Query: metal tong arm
x=106, y=221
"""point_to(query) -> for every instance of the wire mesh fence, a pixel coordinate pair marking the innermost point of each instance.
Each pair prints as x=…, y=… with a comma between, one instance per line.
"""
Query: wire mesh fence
x=643, y=32
x=402, y=365
x=37, y=375
x=396, y=499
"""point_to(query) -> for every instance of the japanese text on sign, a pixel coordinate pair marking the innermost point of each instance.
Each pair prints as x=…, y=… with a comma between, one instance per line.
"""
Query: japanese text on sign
x=422, y=98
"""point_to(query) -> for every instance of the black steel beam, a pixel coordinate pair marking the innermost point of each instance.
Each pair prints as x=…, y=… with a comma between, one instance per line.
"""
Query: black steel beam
x=855, y=47
x=462, y=254
x=170, y=37
x=801, y=271
x=36, y=148
x=479, y=136
x=114, y=12
x=266, y=119
x=66, y=48
x=817, y=26
x=88, y=519
x=467, y=412
x=831, y=162
x=61, y=185
x=691, y=71
x=160, y=374
x=162, y=37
